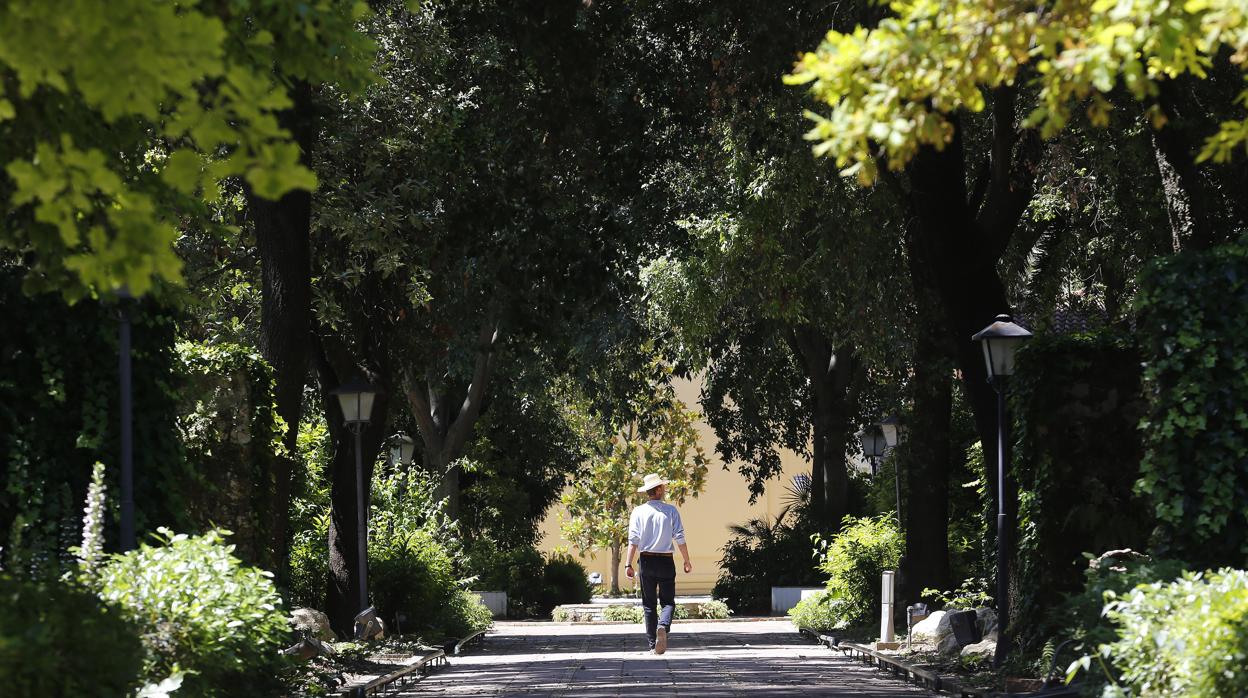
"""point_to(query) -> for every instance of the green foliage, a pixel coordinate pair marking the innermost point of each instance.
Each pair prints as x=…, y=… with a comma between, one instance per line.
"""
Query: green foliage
x=58, y=418
x=517, y=571
x=566, y=580
x=1188, y=637
x=201, y=612
x=764, y=553
x=59, y=640
x=891, y=89
x=1076, y=404
x=118, y=121
x=714, y=610
x=1196, y=380
x=854, y=560
x=971, y=593
x=819, y=613
x=631, y=614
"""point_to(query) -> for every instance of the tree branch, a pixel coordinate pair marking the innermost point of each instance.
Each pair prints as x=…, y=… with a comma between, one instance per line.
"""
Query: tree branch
x=419, y=407
x=1012, y=177
x=488, y=338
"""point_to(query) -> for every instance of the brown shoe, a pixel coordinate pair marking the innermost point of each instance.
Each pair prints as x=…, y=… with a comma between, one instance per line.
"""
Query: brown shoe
x=660, y=640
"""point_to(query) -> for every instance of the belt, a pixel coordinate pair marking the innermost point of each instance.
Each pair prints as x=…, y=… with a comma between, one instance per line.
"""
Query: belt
x=649, y=554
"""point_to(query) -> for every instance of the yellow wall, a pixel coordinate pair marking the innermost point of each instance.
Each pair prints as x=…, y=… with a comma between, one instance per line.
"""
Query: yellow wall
x=725, y=501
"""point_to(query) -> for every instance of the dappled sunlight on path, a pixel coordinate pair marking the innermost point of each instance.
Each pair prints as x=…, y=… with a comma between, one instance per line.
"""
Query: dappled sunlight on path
x=765, y=658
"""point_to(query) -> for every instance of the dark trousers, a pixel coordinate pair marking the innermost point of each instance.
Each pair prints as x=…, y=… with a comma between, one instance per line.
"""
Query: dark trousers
x=658, y=584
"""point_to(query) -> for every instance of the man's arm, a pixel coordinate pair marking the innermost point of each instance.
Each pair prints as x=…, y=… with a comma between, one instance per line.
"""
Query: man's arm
x=678, y=534
x=632, y=550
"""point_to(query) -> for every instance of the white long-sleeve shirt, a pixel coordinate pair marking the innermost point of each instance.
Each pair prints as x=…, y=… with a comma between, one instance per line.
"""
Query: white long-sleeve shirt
x=653, y=527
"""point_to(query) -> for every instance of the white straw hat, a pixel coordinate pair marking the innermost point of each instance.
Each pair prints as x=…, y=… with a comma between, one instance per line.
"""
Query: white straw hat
x=652, y=481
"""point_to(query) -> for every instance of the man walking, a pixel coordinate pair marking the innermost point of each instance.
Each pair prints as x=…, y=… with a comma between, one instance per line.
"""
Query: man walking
x=652, y=528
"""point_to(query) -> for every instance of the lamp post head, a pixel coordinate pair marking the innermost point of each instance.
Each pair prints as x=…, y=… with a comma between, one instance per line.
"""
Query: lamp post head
x=356, y=398
x=1000, y=340
x=893, y=430
x=873, y=443
x=402, y=449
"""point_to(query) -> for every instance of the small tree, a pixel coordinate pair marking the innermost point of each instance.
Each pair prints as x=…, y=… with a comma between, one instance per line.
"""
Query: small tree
x=659, y=439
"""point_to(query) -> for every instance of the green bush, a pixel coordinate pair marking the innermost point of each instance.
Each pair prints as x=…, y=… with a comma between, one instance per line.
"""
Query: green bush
x=465, y=614
x=1191, y=307
x=854, y=560
x=414, y=574
x=818, y=613
x=764, y=553
x=58, y=639
x=566, y=580
x=632, y=614
x=518, y=572
x=714, y=610
x=201, y=611
x=1184, y=638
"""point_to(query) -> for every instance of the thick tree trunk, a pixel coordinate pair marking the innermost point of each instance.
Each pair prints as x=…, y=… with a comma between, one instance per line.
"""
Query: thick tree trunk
x=344, y=591
x=282, y=240
x=833, y=376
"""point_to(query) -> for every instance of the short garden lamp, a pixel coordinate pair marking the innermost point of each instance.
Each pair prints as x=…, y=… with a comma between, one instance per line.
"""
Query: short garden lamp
x=1000, y=340
x=402, y=449
x=356, y=399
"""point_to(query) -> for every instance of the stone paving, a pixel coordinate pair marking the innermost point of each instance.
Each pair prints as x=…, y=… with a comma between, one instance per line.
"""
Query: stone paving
x=756, y=659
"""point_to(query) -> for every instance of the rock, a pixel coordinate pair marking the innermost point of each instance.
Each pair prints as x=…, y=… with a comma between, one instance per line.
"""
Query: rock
x=928, y=629
x=948, y=644
x=986, y=619
x=1119, y=556
x=307, y=648
x=984, y=649
x=313, y=623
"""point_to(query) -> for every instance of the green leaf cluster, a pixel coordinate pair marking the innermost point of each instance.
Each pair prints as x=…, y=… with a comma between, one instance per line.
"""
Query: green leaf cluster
x=1188, y=637
x=854, y=559
x=201, y=610
x=118, y=120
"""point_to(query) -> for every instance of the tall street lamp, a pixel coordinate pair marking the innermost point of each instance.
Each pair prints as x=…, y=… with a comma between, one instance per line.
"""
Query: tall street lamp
x=892, y=430
x=129, y=539
x=356, y=400
x=1000, y=340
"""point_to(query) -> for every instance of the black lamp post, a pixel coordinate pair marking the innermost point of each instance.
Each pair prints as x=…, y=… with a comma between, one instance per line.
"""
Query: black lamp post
x=1000, y=340
x=893, y=431
x=356, y=400
x=129, y=540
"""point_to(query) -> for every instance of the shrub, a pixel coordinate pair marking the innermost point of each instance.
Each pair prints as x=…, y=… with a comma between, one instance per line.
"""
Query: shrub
x=1190, y=308
x=762, y=554
x=566, y=580
x=413, y=573
x=60, y=640
x=517, y=572
x=818, y=613
x=1184, y=638
x=201, y=611
x=632, y=614
x=714, y=610
x=465, y=614
x=854, y=559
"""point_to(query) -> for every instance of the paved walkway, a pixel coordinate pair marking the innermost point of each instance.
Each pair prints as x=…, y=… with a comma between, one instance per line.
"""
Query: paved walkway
x=766, y=658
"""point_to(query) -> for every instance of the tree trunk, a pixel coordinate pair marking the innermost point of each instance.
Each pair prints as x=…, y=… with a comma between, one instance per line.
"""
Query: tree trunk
x=335, y=363
x=1189, y=201
x=833, y=376
x=615, y=568
x=282, y=240
x=446, y=427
